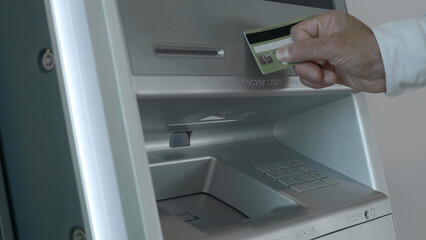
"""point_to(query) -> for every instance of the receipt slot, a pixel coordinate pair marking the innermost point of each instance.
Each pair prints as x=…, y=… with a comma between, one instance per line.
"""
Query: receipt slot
x=174, y=133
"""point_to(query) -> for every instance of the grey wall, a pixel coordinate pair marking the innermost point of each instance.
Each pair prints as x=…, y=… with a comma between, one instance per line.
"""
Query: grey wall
x=400, y=127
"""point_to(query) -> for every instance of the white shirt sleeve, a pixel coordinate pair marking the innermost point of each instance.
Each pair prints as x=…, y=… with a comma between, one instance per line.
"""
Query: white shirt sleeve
x=403, y=48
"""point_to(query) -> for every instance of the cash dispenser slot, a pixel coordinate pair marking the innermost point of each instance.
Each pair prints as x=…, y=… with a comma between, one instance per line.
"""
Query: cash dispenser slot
x=207, y=176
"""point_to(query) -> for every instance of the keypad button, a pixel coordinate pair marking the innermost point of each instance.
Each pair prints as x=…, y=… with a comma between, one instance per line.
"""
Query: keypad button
x=275, y=175
x=286, y=173
x=307, y=177
x=294, y=171
x=298, y=188
x=263, y=168
x=296, y=179
x=318, y=175
x=295, y=163
x=275, y=166
x=306, y=169
x=286, y=181
x=331, y=181
x=318, y=184
x=283, y=165
x=309, y=186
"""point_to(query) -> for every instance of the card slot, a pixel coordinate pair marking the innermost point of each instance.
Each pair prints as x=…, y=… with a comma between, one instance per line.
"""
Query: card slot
x=176, y=50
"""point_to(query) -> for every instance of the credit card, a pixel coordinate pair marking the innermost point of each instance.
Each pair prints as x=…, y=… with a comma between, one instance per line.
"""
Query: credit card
x=265, y=41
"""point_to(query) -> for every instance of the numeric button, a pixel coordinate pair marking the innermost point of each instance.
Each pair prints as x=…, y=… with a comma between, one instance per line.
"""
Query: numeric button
x=286, y=181
x=318, y=184
x=263, y=168
x=318, y=175
x=299, y=188
x=275, y=175
x=295, y=163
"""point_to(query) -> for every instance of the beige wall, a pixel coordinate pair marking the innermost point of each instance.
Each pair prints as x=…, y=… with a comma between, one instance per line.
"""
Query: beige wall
x=400, y=127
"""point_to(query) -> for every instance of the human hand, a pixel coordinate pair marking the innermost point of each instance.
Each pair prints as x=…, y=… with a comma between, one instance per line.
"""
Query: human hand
x=335, y=47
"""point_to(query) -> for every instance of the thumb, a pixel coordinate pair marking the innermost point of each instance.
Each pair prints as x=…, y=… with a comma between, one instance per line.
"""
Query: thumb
x=307, y=50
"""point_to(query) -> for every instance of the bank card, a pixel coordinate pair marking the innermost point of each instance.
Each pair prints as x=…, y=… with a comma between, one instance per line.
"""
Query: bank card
x=265, y=41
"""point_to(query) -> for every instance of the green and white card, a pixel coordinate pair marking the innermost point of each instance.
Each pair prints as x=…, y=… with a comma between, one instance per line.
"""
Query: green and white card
x=265, y=41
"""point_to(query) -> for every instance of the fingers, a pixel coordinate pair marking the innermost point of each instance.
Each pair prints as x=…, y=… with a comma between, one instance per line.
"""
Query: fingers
x=315, y=76
x=317, y=26
x=315, y=39
x=308, y=50
x=331, y=48
x=304, y=30
x=307, y=29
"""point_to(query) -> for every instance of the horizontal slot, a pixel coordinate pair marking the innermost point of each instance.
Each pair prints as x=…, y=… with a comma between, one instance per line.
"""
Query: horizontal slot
x=308, y=3
x=174, y=50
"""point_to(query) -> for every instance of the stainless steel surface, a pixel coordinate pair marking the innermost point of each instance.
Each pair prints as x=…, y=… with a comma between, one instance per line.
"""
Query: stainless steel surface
x=343, y=126
x=103, y=125
x=202, y=210
x=382, y=228
x=81, y=99
x=240, y=119
x=157, y=87
x=222, y=155
x=188, y=22
x=192, y=176
x=163, y=37
x=272, y=208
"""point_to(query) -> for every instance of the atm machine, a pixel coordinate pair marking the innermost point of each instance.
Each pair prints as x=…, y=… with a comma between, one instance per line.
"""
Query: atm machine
x=168, y=130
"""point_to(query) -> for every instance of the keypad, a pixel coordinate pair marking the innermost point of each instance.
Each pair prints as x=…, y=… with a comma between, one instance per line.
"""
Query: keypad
x=296, y=175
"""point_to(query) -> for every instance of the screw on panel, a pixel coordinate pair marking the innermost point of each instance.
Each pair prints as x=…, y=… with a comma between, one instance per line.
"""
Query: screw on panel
x=78, y=234
x=46, y=60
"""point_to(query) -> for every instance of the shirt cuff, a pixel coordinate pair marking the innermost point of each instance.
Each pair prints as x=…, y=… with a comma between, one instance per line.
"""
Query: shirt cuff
x=403, y=48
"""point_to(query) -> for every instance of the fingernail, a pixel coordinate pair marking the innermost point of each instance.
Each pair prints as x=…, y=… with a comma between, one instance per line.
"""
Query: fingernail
x=328, y=79
x=282, y=54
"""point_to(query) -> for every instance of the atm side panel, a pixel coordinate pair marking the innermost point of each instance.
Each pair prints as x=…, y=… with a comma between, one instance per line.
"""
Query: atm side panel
x=6, y=231
x=44, y=200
